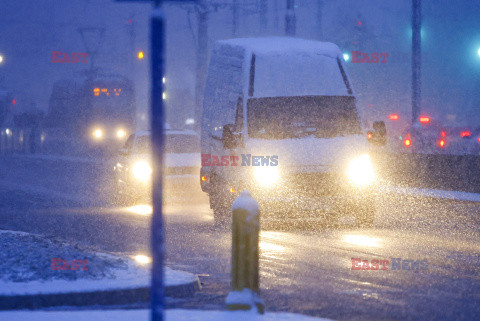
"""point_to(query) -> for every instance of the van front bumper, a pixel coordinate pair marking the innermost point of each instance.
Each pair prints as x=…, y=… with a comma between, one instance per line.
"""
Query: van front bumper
x=309, y=192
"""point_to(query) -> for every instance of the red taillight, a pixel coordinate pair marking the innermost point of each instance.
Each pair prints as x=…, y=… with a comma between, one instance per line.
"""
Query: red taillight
x=478, y=139
x=443, y=134
x=441, y=143
x=407, y=142
x=465, y=134
x=369, y=135
x=424, y=119
x=393, y=117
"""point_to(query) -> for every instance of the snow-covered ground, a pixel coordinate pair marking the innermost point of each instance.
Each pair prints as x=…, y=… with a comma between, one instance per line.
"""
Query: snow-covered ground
x=26, y=268
x=140, y=315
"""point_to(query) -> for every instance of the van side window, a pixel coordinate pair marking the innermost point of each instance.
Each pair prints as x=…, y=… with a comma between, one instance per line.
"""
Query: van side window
x=239, y=116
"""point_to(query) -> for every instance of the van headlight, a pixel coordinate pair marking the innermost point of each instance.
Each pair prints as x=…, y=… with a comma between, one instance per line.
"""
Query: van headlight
x=266, y=175
x=360, y=171
x=142, y=171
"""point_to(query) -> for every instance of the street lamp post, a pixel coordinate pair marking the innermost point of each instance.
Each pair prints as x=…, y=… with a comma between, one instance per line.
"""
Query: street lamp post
x=416, y=59
x=290, y=19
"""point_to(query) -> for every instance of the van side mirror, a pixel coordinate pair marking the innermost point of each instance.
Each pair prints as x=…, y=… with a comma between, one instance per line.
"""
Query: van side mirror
x=230, y=138
x=379, y=134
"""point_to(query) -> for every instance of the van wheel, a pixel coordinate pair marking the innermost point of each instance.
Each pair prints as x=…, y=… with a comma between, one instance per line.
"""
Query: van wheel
x=221, y=210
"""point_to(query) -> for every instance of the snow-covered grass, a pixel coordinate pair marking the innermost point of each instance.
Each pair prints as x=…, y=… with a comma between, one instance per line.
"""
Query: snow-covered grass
x=27, y=257
x=144, y=315
x=26, y=268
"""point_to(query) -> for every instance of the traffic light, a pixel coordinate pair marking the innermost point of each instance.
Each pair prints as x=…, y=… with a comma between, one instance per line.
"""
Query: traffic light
x=359, y=33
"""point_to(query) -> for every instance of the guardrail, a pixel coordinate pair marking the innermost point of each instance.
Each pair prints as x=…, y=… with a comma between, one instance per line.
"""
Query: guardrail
x=433, y=171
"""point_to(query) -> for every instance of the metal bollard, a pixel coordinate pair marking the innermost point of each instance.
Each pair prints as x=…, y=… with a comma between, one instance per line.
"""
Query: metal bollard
x=245, y=292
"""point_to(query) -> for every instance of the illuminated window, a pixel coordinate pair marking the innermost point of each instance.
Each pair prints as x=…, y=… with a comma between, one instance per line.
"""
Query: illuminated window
x=104, y=90
x=96, y=90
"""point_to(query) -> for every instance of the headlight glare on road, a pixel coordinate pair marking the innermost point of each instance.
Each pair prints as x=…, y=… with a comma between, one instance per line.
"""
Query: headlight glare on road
x=142, y=171
x=360, y=171
x=266, y=175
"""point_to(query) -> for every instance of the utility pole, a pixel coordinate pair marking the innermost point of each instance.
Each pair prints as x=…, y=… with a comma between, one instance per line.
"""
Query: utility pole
x=290, y=19
x=157, y=121
x=319, y=21
x=201, y=61
x=263, y=16
x=157, y=43
x=416, y=59
x=275, y=17
x=235, y=17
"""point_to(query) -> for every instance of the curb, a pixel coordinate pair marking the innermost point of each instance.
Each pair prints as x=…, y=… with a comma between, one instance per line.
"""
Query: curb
x=111, y=297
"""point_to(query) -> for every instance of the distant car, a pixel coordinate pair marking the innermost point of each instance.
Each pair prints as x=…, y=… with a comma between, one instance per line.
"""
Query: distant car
x=133, y=170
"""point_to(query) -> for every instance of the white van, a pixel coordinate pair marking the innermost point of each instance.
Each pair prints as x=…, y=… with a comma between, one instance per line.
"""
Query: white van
x=280, y=120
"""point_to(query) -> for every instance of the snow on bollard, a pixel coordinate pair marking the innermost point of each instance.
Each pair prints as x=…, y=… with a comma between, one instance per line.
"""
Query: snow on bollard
x=245, y=277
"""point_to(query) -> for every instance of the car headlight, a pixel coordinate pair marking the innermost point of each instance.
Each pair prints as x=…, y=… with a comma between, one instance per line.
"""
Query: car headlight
x=142, y=171
x=97, y=133
x=121, y=133
x=266, y=175
x=360, y=170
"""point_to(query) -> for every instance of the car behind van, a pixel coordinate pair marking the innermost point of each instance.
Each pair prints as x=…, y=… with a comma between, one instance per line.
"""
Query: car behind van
x=280, y=120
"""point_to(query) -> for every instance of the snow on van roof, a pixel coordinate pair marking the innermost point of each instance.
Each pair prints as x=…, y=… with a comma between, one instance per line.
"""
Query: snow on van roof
x=283, y=45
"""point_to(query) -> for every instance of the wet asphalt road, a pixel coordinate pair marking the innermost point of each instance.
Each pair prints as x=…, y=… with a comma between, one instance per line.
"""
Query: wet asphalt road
x=307, y=270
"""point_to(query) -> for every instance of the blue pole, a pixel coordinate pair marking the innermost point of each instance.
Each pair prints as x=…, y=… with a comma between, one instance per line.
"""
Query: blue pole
x=157, y=123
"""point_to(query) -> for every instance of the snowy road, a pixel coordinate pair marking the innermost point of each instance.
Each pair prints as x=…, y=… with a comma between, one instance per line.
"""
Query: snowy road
x=306, y=270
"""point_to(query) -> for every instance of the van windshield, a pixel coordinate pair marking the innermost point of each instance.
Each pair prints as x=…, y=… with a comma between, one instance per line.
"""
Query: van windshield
x=295, y=117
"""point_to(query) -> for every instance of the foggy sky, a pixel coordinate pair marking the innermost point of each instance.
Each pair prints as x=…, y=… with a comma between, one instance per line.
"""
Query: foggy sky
x=30, y=30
